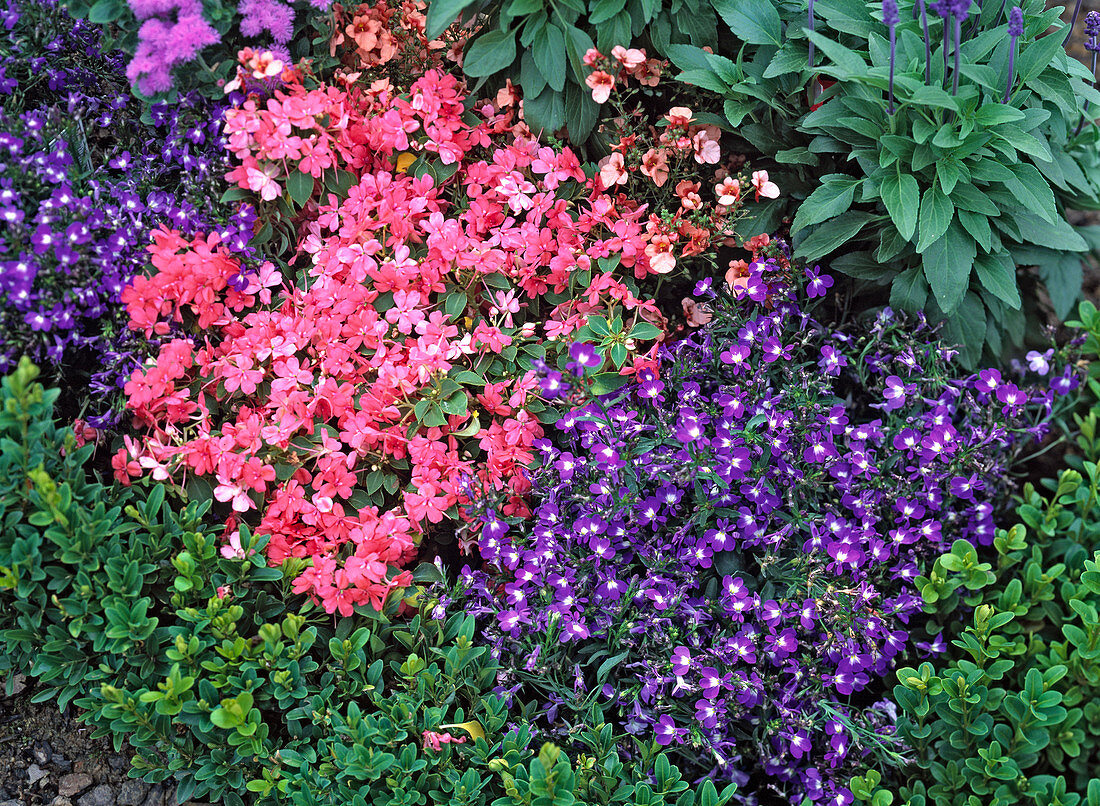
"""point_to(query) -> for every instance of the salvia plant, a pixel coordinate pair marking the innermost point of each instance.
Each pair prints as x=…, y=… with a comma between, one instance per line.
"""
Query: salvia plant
x=720, y=559
x=940, y=160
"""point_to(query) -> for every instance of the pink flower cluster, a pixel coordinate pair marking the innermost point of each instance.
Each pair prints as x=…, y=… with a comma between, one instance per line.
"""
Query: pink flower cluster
x=292, y=397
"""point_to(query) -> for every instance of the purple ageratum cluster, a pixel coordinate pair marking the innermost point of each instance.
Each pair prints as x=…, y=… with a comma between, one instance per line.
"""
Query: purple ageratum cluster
x=82, y=183
x=172, y=32
x=721, y=557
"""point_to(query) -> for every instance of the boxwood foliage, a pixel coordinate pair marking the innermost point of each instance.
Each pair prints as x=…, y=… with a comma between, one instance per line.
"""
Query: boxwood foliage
x=1008, y=711
x=225, y=683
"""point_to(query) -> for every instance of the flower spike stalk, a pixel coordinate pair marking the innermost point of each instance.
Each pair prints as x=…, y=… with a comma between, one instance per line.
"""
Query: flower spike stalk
x=1015, y=30
x=811, y=21
x=1073, y=22
x=927, y=42
x=890, y=19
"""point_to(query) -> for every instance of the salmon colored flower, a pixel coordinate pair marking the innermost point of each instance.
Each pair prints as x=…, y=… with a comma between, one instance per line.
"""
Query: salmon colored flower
x=629, y=59
x=728, y=192
x=648, y=74
x=659, y=252
x=601, y=83
x=678, y=116
x=613, y=170
x=707, y=149
x=697, y=314
x=655, y=165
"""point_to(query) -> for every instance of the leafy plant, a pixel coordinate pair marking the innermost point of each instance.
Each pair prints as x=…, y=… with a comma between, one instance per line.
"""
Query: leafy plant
x=207, y=666
x=1008, y=708
x=918, y=171
x=539, y=45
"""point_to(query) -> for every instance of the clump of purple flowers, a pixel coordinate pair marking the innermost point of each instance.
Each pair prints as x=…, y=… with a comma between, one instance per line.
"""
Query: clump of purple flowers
x=720, y=559
x=83, y=179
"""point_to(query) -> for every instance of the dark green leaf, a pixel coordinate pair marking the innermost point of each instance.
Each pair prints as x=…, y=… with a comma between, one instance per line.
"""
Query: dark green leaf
x=441, y=13
x=753, y=21
x=832, y=235
x=833, y=197
x=936, y=211
x=947, y=263
x=548, y=51
x=901, y=195
x=997, y=274
x=489, y=53
x=909, y=291
x=300, y=187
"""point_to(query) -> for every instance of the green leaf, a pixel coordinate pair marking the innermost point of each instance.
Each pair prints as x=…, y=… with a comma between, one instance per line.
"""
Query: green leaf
x=832, y=234
x=909, y=291
x=993, y=114
x=1037, y=56
x=606, y=382
x=947, y=263
x=490, y=53
x=106, y=11
x=901, y=195
x=936, y=211
x=300, y=187
x=441, y=13
x=833, y=197
x=1057, y=234
x=705, y=79
x=581, y=112
x=548, y=51
x=845, y=58
x=753, y=21
x=997, y=274
x=603, y=10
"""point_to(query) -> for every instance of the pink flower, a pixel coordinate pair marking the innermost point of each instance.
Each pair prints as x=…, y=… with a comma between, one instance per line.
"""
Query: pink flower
x=707, y=150
x=655, y=165
x=592, y=57
x=628, y=58
x=613, y=170
x=728, y=192
x=601, y=84
x=678, y=116
x=263, y=181
x=764, y=187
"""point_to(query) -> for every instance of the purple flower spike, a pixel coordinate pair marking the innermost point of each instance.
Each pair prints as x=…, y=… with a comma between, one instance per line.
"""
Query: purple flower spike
x=890, y=20
x=1016, y=23
x=1092, y=44
x=1015, y=30
x=927, y=42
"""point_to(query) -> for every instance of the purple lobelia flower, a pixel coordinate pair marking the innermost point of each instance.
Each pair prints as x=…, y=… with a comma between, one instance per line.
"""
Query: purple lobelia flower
x=1015, y=31
x=890, y=20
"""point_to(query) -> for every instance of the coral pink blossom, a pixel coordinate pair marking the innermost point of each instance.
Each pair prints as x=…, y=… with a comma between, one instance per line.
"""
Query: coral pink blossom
x=601, y=83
